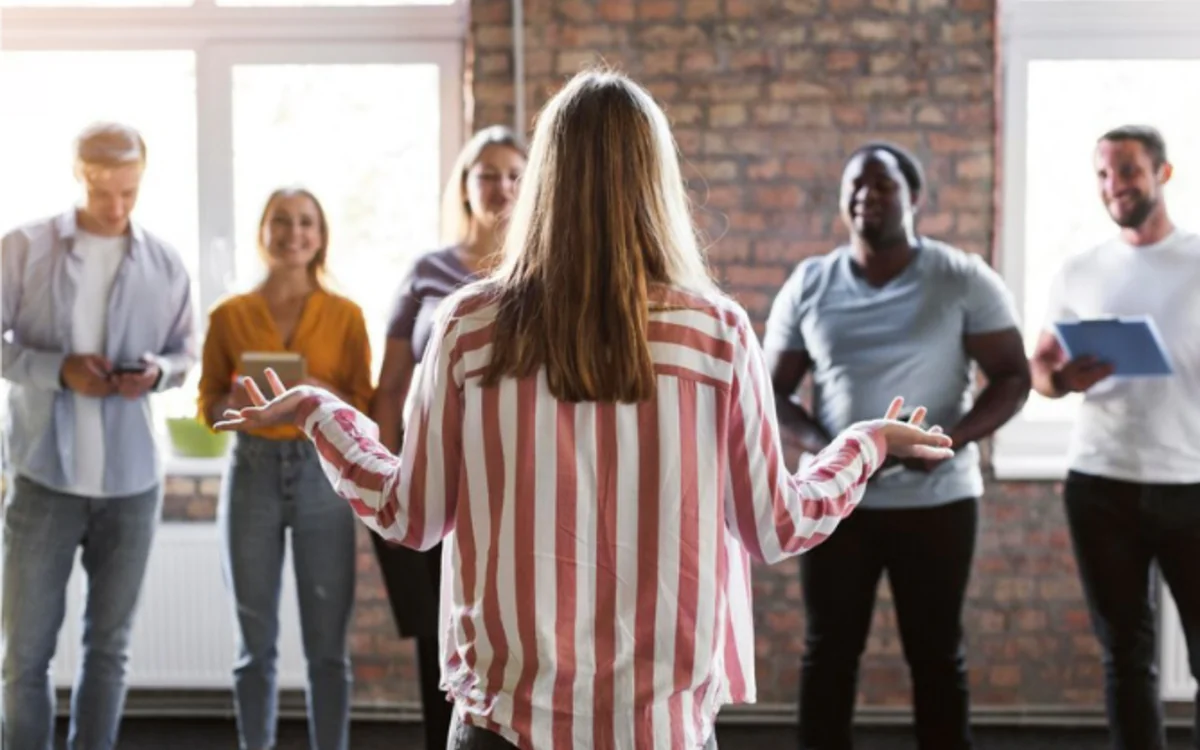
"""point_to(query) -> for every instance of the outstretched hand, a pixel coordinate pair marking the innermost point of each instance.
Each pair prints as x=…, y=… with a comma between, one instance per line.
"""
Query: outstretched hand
x=910, y=441
x=262, y=412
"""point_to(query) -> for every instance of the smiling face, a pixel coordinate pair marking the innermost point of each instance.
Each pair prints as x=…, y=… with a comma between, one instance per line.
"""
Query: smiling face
x=1129, y=182
x=293, y=233
x=876, y=203
x=491, y=184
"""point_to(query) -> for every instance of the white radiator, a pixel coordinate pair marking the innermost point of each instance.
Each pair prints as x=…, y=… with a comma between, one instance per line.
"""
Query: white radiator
x=184, y=635
x=1176, y=679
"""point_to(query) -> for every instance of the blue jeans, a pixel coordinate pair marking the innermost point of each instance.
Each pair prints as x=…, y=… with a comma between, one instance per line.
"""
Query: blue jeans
x=273, y=486
x=42, y=530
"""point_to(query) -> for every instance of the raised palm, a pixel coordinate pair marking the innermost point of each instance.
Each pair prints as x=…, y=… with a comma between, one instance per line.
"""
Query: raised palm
x=263, y=412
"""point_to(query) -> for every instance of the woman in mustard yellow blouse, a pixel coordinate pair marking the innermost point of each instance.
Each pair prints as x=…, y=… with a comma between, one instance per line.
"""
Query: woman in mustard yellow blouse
x=275, y=483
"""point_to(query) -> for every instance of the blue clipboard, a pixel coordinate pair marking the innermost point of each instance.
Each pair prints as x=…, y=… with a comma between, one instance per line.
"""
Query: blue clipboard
x=1131, y=344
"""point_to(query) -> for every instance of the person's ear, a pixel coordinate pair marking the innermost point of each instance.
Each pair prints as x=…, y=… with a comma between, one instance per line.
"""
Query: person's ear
x=1165, y=172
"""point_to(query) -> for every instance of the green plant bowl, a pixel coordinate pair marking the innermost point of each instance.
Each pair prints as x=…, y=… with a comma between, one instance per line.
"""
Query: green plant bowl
x=191, y=438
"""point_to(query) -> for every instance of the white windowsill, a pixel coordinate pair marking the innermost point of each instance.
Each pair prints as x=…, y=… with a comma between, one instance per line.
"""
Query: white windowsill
x=196, y=468
x=1026, y=450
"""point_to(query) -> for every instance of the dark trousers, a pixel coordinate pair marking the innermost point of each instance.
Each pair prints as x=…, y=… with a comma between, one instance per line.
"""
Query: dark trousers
x=1119, y=530
x=927, y=554
x=412, y=580
x=466, y=737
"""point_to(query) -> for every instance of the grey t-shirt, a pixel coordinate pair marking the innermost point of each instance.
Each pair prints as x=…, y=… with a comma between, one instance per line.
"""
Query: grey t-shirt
x=433, y=277
x=869, y=345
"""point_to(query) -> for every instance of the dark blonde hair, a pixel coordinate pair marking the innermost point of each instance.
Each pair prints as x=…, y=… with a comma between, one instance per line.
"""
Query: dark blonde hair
x=316, y=266
x=107, y=145
x=602, y=215
x=456, y=211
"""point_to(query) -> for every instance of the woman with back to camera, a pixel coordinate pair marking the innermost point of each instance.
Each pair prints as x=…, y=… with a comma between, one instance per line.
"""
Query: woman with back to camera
x=475, y=207
x=274, y=481
x=595, y=424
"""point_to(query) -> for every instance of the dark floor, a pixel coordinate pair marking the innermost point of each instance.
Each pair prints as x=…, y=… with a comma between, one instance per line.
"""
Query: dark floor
x=209, y=734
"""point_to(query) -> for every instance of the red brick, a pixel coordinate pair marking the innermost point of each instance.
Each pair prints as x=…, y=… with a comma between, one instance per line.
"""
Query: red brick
x=879, y=31
x=736, y=9
x=775, y=113
x=730, y=250
x=842, y=6
x=576, y=10
x=975, y=167
x=592, y=35
x=850, y=115
x=616, y=10
x=888, y=62
x=684, y=114
x=960, y=87
x=897, y=87
x=675, y=36
x=751, y=61
x=799, y=60
x=798, y=91
x=892, y=6
x=660, y=62
x=490, y=36
x=717, y=170
x=929, y=114
x=571, y=62
x=841, y=60
x=657, y=10
x=701, y=10
x=803, y=8
x=771, y=277
x=803, y=168
x=764, y=169
x=780, y=196
x=695, y=61
x=494, y=63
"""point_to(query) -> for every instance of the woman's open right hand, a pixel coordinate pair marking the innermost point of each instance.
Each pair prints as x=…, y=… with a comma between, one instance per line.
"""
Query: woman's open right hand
x=908, y=439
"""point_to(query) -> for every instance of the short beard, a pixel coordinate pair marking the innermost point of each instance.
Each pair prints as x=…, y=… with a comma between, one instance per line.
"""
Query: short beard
x=1135, y=218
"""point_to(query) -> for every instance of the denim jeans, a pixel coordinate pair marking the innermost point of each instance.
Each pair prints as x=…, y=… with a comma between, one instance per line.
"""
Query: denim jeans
x=43, y=529
x=927, y=554
x=271, y=487
x=1120, y=531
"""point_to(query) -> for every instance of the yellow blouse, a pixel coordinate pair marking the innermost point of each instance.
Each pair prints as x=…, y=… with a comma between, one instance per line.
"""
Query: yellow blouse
x=331, y=335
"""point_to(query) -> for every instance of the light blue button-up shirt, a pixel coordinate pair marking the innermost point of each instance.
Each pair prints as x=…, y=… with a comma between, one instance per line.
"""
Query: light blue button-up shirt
x=150, y=314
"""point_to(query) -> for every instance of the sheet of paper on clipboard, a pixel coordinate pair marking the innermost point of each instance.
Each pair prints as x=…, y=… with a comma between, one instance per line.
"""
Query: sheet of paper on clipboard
x=1132, y=345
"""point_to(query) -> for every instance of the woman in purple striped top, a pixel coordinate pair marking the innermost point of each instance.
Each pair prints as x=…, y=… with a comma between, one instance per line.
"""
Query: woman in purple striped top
x=475, y=207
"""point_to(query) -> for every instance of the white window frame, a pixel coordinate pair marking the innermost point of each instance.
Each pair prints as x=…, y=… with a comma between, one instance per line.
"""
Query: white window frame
x=1030, y=448
x=224, y=36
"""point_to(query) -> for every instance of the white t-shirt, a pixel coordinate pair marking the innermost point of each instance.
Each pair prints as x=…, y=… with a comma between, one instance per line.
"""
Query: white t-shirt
x=89, y=333
x=1139, y=429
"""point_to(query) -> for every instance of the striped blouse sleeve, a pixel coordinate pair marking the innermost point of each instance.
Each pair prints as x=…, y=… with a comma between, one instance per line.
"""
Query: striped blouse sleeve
x=410, y=498
x=776, y=514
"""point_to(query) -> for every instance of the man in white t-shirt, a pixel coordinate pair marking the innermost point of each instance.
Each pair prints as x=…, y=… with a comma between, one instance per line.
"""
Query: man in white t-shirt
x=97, y=315
x=1133, y=491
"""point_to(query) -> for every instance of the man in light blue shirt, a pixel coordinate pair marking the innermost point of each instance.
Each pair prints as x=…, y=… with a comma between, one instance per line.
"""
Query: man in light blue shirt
x=894, y=313
x=97, y=315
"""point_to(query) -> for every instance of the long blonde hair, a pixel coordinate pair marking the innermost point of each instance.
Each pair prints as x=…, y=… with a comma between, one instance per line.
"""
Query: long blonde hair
x=601, y=216
x=456, y=211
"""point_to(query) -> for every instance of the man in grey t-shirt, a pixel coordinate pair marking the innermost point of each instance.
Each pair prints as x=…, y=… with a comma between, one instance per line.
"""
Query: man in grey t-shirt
x=891, y=314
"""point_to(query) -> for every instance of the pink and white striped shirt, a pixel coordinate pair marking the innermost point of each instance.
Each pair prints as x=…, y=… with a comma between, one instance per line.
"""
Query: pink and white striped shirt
x=596, y=572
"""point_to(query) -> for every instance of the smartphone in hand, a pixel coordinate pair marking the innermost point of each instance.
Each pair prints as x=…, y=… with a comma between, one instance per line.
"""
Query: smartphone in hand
x=136, y=367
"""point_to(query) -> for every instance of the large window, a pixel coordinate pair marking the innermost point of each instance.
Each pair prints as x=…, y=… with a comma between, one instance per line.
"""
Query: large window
x=359, y=101
x=1072, y=70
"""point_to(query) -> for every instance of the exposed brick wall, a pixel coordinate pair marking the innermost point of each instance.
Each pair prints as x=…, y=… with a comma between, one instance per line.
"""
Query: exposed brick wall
x=767, y=97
